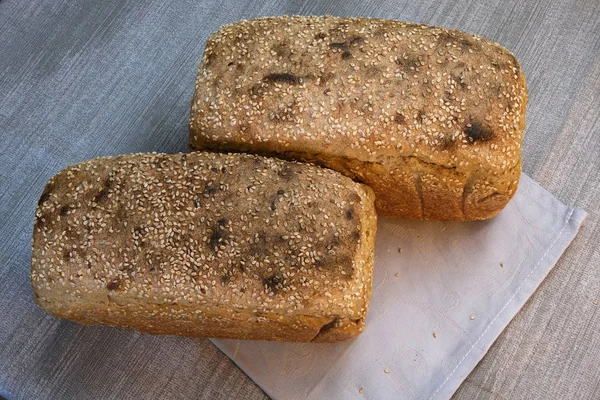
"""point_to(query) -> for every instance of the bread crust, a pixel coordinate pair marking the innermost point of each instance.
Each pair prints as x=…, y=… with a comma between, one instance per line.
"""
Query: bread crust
x=432, y=119
x=206, y=244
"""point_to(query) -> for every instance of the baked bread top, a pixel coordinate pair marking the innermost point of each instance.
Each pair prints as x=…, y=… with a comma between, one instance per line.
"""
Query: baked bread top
x=363, y=89
x=222, y=233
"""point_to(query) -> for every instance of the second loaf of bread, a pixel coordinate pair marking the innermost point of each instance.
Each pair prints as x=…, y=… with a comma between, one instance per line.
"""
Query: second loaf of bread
x=432, y=119
x=206, y=244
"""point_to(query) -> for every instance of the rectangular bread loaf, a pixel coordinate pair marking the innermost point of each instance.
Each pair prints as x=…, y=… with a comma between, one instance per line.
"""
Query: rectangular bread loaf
x=432, y=119
x=206, y=244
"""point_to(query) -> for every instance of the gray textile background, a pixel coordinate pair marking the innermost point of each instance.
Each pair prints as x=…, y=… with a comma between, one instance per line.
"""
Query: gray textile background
x=79, y=79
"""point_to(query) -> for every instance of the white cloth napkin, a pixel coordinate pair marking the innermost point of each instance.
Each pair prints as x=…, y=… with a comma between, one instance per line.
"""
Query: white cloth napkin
x=442, y=293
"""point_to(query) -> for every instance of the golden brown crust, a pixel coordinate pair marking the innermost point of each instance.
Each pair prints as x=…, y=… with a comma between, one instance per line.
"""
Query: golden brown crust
x=432, y=119
x=206, y=244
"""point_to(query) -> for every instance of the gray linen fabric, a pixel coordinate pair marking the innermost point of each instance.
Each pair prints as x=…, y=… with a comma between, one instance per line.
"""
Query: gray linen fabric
x=82, y=79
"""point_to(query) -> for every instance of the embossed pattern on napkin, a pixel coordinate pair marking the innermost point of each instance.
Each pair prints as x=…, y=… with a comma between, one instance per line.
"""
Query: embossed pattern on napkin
x=442, y=293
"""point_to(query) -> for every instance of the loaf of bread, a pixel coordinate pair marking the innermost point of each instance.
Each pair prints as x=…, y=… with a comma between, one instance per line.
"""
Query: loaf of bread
x=432, y=119
x=206, y=244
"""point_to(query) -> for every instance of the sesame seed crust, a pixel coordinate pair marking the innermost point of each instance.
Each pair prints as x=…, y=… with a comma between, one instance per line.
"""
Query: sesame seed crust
x=432, y=119
x=206, y=244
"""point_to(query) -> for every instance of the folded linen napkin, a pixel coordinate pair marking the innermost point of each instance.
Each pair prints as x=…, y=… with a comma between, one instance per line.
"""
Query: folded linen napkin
x=442, y=293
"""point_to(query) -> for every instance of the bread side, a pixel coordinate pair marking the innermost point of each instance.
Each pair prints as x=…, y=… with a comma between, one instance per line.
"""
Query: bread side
x=432, y=119
x=206, y=244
